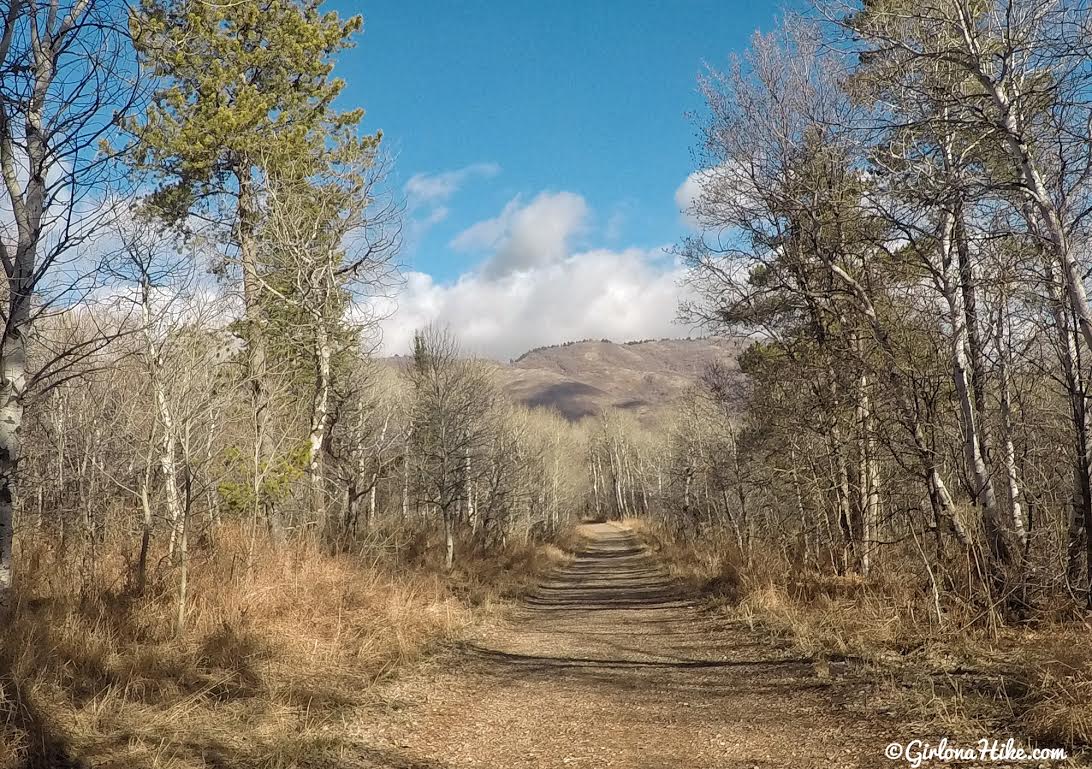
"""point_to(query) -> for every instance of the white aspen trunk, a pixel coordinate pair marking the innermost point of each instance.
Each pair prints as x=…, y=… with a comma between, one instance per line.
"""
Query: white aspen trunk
x=361, y=459
x=26, y=206
x=688, y=479
x=1080, y=509
x=148, y=520
x=211, y=494
x=853, y=544
x=864, y=481
x=968, y=284
x=557, y=481
x=405, y=478
x=1009, y=450
x=868, y=482
x=471, y=510
x=183, y=576
x=595, y=484
x=90, y=471
x=145, y=533
x=732, y=518
x=1028, y=170
x=619, y=484
x=320, y=417
x=741, y=495
x=946, y=504
x=984, y=492
x=449, y=540
x=801, y=511
x=62, y=442
x=167, y=457
x=12, y=386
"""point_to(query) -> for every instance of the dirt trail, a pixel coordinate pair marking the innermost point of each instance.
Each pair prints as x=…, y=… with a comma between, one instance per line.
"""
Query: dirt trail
x=607, y=665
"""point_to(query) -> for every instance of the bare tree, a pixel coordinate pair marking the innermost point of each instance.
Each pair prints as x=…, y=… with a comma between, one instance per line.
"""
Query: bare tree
x=65, y=72
x=451, y=425
x=328, y=243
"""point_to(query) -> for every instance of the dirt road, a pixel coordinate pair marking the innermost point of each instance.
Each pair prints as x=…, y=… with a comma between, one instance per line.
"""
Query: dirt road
x=606, y=665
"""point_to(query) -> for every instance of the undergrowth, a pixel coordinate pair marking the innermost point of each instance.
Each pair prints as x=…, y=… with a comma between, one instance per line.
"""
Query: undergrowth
x=959, y=670
x=279, y=645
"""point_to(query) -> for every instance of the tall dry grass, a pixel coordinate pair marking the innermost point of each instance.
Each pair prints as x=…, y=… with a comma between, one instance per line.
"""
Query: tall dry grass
x=280, y=644
x=961, y=670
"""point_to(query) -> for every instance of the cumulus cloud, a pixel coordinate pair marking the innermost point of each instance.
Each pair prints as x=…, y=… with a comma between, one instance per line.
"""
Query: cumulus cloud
x=527, y=236
x=687, y=195
x=533, y=288
x=729, y=184
x=618, y=295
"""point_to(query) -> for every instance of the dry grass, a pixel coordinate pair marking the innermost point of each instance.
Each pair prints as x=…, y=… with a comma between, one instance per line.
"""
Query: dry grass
x=272, y=659
x=962, y=672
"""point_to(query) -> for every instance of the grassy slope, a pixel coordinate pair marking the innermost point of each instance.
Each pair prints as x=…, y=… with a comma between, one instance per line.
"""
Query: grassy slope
x=273, y=659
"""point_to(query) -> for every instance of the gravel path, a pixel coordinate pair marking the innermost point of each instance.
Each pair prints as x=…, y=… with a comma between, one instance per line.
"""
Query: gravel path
x=607, y=665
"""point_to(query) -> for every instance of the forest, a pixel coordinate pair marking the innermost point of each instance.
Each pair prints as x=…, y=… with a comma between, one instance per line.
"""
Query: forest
x=227, y=515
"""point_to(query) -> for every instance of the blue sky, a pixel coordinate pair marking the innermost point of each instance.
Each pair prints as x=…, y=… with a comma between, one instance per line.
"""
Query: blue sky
x=540, y=146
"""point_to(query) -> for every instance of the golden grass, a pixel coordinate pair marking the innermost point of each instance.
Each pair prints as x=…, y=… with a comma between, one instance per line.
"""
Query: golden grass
x=273, y=655
x=962, y=672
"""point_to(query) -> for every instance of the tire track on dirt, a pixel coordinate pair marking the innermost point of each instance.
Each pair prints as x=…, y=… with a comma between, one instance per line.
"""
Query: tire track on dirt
x=608, y=664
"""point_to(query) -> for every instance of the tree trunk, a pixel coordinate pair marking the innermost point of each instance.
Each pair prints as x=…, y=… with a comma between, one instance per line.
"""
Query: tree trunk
x=167, y=457
x=984, y=494
x=12, y=385
x=1008, y=429
x=842, y=501
x=946, y=505
x=183, y=576
x=320, y=417
x=1027, y=169
x=147, y=523
x=1081, y=499
x=868, y=493
x=741, y=495
x=468, y=492
x=968, y=286
x=449, y=540
x=256, y=346
x=595, y=485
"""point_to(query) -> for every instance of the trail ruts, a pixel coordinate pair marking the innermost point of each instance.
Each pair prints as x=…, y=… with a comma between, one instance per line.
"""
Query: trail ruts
x=609, y=664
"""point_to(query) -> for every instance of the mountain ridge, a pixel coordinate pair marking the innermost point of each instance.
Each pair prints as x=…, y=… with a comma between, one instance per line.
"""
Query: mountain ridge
x=584, y=378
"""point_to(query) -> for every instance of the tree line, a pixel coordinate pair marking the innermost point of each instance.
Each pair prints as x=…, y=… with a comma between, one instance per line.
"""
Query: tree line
x=198, y=249
x=893, y=206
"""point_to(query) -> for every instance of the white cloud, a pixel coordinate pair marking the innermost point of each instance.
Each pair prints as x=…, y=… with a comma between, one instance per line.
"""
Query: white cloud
x=433, y=189
x=687, y=195
x=619, y=295
x=427, y=196
x=533, y=287
x=527, y=236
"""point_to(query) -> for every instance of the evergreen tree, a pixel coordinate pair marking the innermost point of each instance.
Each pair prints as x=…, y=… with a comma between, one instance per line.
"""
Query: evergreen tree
x=246, y=93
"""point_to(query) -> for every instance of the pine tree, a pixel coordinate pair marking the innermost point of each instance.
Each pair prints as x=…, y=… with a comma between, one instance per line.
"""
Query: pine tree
x=246, y=94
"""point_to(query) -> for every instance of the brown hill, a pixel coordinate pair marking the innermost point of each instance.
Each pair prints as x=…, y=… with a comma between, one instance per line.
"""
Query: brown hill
x=581, y=379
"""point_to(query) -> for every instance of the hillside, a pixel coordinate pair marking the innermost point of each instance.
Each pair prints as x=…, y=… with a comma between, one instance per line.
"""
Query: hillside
x=581, y=379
